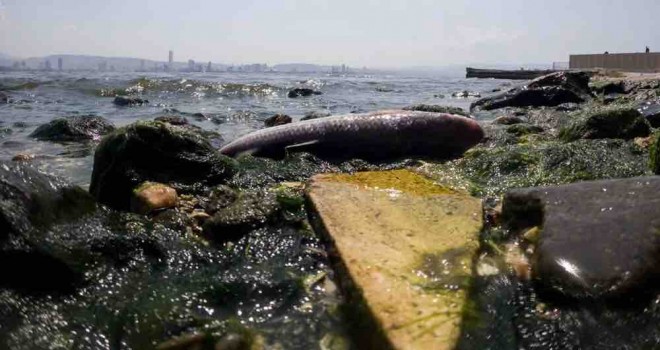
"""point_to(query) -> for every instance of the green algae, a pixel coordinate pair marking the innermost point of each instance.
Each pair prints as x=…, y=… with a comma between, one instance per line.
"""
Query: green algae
x=493, y=171
x=606, y=122
x=654, y=153
x=401, y=180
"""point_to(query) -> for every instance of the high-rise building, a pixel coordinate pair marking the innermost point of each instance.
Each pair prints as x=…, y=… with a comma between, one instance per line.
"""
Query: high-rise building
x=170, y=60
x=47, y=65
x=191, y=65
x=209, y=67
x=59, y=63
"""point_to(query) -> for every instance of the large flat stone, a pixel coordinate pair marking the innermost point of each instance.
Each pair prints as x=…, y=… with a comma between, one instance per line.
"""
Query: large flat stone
x=598, y=239
x=403, y=248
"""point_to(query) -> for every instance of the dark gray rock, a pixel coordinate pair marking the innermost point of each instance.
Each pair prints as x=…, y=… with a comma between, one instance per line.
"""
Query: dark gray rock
x=74, y=128
x=159, y=152
x=4, y=98
x=129, y=101
x=277, y=119
x=651, y=111
x=437, y=109
x=549, y=90
x=302, y=92
x=314, y=115
x=618, y=122
x=172, y=119
x=220, y=197
x=598, y=239
x=30, y=203
x=250, y=211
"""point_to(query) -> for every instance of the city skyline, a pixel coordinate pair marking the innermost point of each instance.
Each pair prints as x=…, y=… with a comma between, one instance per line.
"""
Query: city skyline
x=391, y=33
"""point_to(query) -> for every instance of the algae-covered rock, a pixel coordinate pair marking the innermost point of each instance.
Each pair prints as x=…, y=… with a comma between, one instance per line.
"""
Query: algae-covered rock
x=437, y=109
x=154, y=151
x=277, y=119
x=598, y=239
x=74, y=128
x=651, y=111
x=30, y=204
x=508, y=120
x=172, y=119
x=623, y=123
x=523, y=129
x=151, y=196
x=494, y=170
x=248, y=212
x=654, y=152
x=127, y=101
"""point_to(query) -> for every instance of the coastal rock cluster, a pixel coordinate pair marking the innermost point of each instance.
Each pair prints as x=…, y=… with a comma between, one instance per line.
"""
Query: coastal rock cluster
x=177, y=246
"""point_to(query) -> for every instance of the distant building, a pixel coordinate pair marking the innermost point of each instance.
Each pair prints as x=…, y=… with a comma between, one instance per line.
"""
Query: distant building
x=209, y=68
x=170, y=60
x=191, y=65
x=631, y=62
x=59, y=63
x=47, y=65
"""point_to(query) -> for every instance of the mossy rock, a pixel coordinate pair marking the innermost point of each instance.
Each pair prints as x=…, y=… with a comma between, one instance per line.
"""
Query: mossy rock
x=74, y=128
x=158, y=152
x=437, y=109
x=493, y=171
x=613, y=122
x=654, y=151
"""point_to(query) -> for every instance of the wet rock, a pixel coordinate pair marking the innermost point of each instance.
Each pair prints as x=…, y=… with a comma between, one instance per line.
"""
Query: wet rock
x=608, y=87
x=488, y=170
x=172, y=119
x=524, y=129
x=173, y=219
x=598, y=239
x=23, y=157
x=152, y=196
x=74, y=128
x=549, y=90
x=4, y=98
x=220, y=197
x=651, y=111
x=508, y=120
x=277, y=119
x=248, y=212
x=437, y=109
x=654, y=151
x=302, y=92
x=617, y=122
x=201, y=116
x=154, y=151
x=314, y=115
x=30, y=204
x=129, y=101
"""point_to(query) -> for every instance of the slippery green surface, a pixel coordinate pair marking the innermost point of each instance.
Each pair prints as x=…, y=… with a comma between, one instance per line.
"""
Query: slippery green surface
x=654, y=157
x=492, y=171
x=608, y=122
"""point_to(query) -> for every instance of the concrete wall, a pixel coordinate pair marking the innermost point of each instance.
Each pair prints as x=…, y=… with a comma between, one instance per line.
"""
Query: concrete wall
x=632, y=62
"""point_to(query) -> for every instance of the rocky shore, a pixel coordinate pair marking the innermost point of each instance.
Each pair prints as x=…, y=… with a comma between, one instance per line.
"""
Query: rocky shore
x=177, y=246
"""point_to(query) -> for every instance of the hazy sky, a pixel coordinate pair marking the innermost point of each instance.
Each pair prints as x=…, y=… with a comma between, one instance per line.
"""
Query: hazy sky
x=374, y=33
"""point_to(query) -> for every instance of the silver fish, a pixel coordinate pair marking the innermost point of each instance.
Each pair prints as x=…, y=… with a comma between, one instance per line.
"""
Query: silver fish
x=378, y=135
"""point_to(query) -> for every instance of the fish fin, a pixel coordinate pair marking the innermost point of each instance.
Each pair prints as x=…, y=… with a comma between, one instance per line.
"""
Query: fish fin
x=302, y=147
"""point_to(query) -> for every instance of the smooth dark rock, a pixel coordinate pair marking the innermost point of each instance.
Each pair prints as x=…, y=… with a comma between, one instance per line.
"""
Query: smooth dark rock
x=201, y=116
x=4, y=98
x=302, y=92
x=617, y=122
x=437, y=109
x=598, y=239
x=74, y=128
x=651, y=111
x=129, y=101
x=314, y=115
x=172, y=119
x=550, y=90
x=250, y=211
x=277, y=119
x=507, y=120
x=158, y=152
